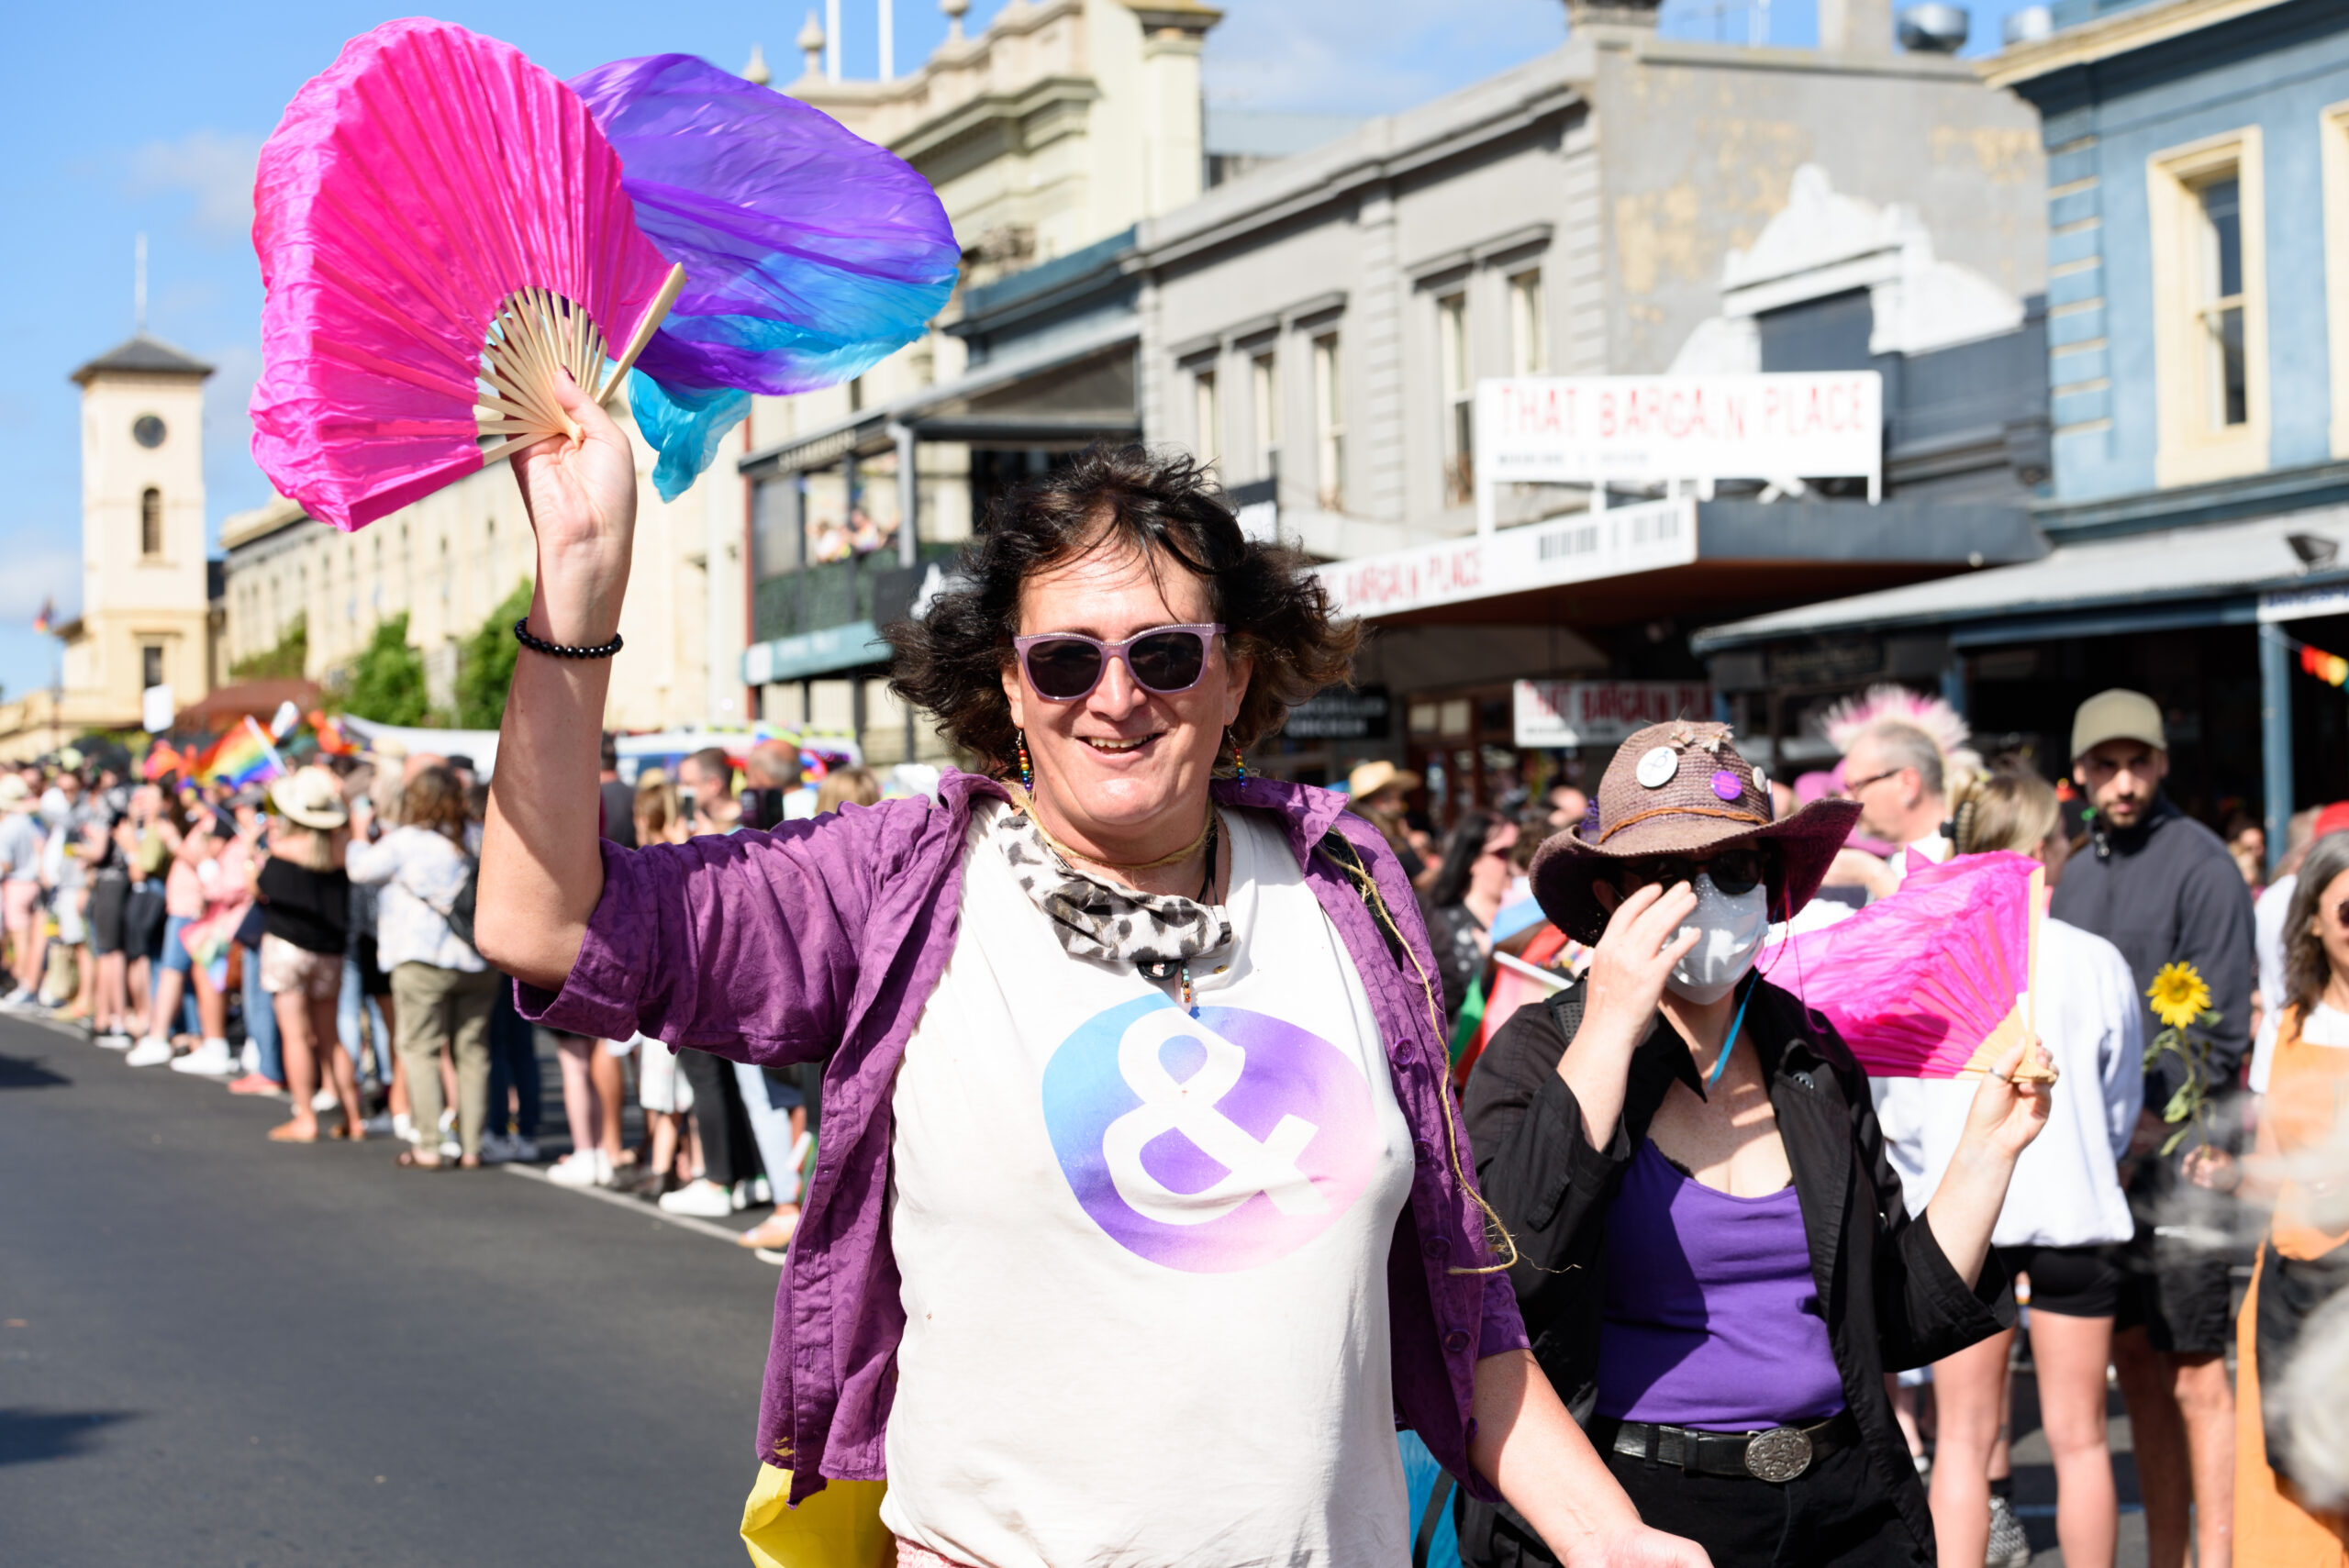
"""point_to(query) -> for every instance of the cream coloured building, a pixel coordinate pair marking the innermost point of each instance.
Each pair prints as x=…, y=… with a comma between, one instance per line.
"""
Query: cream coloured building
x=146, y=606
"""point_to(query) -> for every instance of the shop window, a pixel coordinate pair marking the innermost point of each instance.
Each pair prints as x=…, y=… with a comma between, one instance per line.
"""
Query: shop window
x=1329, y=424
x=150, y=524
x=150, y=665
x=2210, y=341
x=1426, y=718
x=1527, y=350
x=1264, y=393
x=1206, y=420
x=1459, y=398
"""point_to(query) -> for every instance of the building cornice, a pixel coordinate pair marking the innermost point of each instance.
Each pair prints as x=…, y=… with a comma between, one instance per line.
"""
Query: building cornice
x=2122, y=32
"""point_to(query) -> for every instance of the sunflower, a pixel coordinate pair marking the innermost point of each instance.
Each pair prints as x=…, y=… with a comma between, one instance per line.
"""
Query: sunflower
x=2178, y=995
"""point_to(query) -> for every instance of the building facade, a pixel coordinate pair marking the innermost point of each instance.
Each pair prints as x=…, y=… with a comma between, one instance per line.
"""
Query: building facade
x=1047, y=136
x=2198, y=331
x=147, y=614
x=1624, y=205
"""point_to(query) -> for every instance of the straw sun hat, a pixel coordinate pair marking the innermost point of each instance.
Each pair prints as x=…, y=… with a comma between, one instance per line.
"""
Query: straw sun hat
x=310, y=797
x=1682, y=789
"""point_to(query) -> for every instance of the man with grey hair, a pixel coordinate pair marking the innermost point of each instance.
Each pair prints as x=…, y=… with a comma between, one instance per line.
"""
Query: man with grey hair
x=1896, y=774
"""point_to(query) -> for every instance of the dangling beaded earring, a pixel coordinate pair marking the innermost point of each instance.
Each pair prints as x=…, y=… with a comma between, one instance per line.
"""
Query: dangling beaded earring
x=1026, y=768
x=1238, y=759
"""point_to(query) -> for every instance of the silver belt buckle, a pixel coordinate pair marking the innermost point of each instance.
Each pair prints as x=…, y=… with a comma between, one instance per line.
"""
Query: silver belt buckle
x=1779, y=1455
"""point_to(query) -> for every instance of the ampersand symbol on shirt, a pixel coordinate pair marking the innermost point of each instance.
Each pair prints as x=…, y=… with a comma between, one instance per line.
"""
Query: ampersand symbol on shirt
x=1188, y=1107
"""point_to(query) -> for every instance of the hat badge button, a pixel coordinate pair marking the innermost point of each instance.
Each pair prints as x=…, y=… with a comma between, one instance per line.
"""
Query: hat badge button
x=1658, y=767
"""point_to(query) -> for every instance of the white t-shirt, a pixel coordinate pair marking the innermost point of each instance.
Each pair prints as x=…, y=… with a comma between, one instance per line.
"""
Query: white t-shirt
x=2267, y=916
x=1144, y=1256
x=2067, y=1189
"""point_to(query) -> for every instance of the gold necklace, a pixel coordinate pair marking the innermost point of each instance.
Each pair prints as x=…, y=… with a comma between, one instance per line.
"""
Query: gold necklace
x=1026, y=803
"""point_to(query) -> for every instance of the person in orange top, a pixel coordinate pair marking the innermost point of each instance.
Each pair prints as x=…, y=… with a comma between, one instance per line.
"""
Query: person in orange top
x=2301, y=1166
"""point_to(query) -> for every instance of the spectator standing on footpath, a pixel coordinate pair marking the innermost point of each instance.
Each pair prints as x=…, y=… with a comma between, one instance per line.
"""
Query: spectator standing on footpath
x=305, y=898
x=619, y=800
x=1899, y=774
x=2161, y=888
x=20, y=847
x=721, y=1103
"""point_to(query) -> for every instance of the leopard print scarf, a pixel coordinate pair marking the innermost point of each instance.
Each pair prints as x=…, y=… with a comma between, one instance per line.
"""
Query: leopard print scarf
x=1097, y=918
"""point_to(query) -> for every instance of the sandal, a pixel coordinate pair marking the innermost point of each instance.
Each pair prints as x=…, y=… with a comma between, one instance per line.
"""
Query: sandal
x=408, y=1161
x=283, y=1132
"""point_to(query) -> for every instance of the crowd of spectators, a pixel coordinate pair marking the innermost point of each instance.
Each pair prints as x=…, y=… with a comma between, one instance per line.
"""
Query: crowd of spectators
x=309, y=940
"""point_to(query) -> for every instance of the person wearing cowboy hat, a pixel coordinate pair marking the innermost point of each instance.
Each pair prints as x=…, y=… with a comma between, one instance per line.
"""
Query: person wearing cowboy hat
x=304, y=896
x=1715, y=1262
x=1374, y=792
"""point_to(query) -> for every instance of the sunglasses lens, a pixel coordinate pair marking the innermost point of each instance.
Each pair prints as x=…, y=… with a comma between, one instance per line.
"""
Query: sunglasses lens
x=1735, y=873
x=1167, y=660
x=1063, y=668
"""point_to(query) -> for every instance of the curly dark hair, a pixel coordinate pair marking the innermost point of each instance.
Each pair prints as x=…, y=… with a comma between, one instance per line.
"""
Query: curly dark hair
x=1275, y=610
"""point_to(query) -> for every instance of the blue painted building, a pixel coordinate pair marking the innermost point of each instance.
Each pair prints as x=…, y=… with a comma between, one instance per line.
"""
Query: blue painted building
x=2198, y=334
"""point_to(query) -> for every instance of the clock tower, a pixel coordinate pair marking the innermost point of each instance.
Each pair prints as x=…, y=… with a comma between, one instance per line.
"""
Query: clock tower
x=145, y=600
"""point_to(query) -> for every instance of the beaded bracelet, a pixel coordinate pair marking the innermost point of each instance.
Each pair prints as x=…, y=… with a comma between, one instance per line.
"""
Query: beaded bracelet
x=523, y=635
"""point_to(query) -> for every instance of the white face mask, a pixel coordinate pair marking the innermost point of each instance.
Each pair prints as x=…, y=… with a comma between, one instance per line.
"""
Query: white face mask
x=1729, y=928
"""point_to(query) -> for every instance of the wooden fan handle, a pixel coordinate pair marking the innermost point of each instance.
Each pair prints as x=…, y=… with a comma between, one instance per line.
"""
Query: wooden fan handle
x=649, y=323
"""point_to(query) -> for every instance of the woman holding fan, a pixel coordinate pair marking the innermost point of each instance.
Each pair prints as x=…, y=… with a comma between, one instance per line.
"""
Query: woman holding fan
x=1716, y=1262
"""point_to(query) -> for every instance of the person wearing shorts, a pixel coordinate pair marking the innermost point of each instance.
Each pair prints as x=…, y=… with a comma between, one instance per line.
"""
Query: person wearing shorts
x=20, y=848
x=304, y=896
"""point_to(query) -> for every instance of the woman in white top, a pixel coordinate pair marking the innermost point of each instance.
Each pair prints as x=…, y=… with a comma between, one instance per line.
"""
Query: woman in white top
x=2063, y=1215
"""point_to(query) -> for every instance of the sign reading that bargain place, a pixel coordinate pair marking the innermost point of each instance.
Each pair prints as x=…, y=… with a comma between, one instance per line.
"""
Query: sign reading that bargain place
x=1663, y=429
x=1603, y=712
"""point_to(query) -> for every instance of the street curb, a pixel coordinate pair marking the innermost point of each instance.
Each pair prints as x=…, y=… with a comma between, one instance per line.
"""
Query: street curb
x=634, y=1205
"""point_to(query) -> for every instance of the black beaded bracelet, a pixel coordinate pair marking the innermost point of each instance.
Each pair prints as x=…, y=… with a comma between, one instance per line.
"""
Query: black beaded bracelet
x=523, y=635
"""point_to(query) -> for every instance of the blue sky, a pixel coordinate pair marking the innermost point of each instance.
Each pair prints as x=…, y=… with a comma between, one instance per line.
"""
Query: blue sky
x=131, y=118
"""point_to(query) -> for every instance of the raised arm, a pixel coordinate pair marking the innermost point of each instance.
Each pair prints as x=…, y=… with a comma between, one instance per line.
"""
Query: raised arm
x=540, y=873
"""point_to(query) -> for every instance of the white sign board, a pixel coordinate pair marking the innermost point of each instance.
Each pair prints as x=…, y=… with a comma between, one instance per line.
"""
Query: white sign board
x=1574, y=549
x=155, y=709
x=1665, y=428
x=1603, y=712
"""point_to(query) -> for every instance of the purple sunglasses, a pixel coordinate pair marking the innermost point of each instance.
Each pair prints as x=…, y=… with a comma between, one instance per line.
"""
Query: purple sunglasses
x=1063, y=666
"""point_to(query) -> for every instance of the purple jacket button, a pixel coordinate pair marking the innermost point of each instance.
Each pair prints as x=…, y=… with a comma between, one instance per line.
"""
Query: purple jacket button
x=1438, y=1246
x=1423, y=1149
x=1456, y=1342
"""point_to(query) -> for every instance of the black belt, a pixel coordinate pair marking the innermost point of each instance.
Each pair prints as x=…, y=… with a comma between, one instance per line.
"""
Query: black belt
x=1780, y=1453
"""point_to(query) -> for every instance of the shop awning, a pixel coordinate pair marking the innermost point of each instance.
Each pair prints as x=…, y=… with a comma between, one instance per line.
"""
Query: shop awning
x=2206, y=575
x=1678, y=558
x=1066, y=388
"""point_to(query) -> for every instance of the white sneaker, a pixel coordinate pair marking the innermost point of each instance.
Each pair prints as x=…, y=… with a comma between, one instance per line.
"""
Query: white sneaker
x=404, y=1126
x=703, y=1199
x=761, y=1192
x=583, y=1168
x=324, y=1100
x=212, y=1060
x=152, y=1051
x=114, y=1040
x=250, y=1058
x=448, y=1119
x=451, y=1150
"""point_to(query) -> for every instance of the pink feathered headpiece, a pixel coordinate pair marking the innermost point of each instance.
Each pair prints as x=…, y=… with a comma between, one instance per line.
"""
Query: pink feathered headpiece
x=1898, y=704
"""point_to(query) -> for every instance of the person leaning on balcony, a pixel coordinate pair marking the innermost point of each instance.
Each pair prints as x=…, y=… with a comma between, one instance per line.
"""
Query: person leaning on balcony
x=1716, y=1262
x=989, y=1281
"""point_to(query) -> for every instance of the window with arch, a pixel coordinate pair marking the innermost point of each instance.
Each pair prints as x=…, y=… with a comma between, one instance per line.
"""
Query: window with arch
x=151, y=522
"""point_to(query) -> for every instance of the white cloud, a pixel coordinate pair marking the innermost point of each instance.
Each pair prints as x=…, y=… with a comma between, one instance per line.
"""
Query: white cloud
x=215, y=166
x=40, y=568
x=1368, y=57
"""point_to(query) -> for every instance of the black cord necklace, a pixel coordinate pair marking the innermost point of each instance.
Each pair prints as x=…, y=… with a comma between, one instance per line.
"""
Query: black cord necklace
x=1156, y=968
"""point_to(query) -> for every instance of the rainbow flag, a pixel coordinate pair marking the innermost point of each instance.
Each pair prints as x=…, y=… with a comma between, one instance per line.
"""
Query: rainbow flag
x=243, y=756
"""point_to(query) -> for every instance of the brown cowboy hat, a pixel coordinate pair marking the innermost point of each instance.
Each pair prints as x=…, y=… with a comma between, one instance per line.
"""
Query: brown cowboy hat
x=1678, y=789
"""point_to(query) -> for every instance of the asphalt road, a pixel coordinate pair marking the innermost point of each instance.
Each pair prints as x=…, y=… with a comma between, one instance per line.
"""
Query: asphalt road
x=215, y=1350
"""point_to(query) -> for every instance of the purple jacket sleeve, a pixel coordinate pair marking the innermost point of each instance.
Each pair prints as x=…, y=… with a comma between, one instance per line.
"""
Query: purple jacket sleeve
x=1504, y=1325
x=744, y=945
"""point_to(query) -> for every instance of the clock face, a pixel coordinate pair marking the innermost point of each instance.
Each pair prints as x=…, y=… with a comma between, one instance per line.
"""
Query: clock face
x=148, y=431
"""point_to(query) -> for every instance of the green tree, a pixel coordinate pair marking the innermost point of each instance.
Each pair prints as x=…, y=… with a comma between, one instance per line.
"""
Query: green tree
x=385, y=683
x=287, y=660
x=485, y=664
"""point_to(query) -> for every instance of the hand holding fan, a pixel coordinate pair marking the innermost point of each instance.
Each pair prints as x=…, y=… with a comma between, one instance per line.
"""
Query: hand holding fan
x=1934, y=981
x=441, y=232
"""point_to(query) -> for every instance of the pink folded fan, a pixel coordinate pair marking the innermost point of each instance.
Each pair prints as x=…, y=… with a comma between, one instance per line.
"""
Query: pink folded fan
x=442, y=230
x=1934, y=980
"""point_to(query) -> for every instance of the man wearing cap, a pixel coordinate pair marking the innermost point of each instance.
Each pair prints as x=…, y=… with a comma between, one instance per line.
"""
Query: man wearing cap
x=2161, y=888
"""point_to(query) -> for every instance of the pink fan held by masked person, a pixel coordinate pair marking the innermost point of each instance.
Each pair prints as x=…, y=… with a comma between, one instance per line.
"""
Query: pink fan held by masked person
x=441, y=232
x=1934, y=980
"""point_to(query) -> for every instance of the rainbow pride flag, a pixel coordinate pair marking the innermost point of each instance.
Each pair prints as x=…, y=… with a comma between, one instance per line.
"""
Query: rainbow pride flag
x=242, y=757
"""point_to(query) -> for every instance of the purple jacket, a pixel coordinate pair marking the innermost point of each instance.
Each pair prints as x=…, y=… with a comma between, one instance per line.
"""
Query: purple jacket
x=822, y=941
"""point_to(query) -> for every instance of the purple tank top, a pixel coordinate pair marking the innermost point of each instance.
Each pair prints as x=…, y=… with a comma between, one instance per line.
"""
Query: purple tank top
x=1712, y=1318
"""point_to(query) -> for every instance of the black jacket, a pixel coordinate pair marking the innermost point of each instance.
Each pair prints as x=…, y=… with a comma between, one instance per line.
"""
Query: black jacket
x=1891, y=1299
x=2167, y=892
